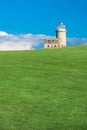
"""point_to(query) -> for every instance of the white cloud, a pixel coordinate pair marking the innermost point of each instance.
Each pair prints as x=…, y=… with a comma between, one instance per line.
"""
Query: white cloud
x=2, y=33
x=20, y=41
x=30, y=41
x=76, y=41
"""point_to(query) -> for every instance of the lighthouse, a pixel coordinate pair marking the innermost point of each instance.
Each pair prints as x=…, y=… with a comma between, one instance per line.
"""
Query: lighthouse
x=61, y=34
x=59, y=41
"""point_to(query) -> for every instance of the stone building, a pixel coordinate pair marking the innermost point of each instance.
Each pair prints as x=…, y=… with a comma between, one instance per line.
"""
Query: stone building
x=59, y=41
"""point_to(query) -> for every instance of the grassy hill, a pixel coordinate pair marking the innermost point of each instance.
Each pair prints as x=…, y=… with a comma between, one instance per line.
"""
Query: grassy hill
x=44, y=89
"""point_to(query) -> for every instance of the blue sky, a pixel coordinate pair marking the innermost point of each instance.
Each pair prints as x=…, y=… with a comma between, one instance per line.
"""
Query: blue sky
x=42, y=16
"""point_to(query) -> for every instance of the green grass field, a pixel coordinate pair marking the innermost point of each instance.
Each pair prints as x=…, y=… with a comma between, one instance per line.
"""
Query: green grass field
x=44, y=89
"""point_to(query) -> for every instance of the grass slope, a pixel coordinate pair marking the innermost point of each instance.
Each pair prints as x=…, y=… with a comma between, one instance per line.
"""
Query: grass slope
x=44, y=89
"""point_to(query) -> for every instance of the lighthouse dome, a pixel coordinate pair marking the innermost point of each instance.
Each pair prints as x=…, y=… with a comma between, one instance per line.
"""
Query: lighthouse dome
x=61, y=26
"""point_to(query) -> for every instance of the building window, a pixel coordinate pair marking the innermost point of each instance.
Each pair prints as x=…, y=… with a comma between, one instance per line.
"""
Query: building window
x=48, y=41
x=48, y=46
x=54, y=45
x=52, y=40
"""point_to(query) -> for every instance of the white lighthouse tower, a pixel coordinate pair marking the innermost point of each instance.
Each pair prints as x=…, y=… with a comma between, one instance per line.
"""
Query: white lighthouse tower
x=59, y=41
x=61, y=34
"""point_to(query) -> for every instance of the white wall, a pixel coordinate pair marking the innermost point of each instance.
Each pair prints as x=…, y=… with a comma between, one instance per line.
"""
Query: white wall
x=50, y=45
x=62, y=37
